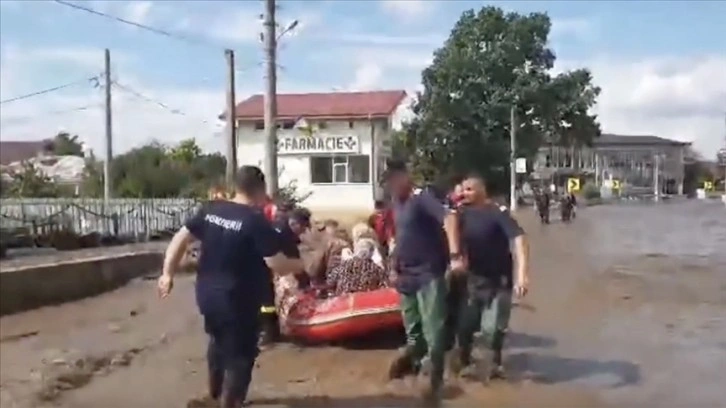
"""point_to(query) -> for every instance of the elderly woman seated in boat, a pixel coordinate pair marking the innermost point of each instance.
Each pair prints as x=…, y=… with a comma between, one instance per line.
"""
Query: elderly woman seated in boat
x=358, y=273
x=360, y=232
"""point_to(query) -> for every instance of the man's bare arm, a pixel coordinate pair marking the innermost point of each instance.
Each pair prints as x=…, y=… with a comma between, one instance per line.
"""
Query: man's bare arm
x=451, y=227
x=175, y=251
x=281, y=265
x=521, y=256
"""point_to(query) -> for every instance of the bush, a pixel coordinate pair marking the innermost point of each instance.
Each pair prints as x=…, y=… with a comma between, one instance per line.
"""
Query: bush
x=590, y=191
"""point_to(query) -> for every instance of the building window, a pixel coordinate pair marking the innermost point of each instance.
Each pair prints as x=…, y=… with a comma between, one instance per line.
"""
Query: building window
x=351, y=124
x=384, y=125
x=259, y=125
x=352, y=169
x=322, y=125
x=288, y=124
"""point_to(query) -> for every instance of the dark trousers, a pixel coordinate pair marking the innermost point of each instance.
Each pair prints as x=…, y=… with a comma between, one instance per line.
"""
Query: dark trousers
x=483, y=321
x=268, y=315
x=454, y=298
x=231, y=355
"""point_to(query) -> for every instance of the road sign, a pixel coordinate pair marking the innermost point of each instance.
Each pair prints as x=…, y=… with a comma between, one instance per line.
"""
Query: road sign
x=616, y=184
x=708, y=185
x=520, y=165
x=573, y=185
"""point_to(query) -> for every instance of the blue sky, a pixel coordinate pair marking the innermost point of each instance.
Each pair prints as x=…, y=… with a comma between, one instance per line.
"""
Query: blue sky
x=662, y=65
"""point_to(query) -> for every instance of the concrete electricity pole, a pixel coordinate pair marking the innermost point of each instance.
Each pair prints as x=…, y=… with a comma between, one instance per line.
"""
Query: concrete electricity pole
x=270, y=39
x=231, y=139
x=109, y=128
x=513, y=157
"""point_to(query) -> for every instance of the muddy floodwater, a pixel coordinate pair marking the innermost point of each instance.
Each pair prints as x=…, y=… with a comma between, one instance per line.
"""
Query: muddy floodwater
x=627, y=308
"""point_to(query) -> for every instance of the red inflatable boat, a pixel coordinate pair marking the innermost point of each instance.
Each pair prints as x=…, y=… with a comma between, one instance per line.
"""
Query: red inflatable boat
x=343, y=317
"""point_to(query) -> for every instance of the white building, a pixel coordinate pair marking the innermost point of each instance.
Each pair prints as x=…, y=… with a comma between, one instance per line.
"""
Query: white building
x=332, y=145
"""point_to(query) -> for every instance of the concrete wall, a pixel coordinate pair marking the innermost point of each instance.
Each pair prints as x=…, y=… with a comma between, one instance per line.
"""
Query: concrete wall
x=29, y=287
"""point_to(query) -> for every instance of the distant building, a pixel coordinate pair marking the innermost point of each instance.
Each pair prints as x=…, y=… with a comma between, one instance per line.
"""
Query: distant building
x=66, y=170
x=17, y=151
x=628, y=159
x=333, y=145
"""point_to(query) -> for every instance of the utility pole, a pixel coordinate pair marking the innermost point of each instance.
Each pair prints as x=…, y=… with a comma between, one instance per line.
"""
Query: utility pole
x=231, y=145
x=270, y=37
x=656, y=178
x=513, y=158
x=109, y=128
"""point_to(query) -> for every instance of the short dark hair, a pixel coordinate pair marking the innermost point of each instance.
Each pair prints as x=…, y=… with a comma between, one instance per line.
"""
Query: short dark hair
x=477, y=176
x=301, y=215
x=249, y=180
x=393, y=167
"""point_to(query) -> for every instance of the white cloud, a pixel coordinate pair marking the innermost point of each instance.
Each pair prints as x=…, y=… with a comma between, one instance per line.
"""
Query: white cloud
x=135, y=121
x=573, y=27
x=409, y=10
x=240, y=26
x=367, y=76
x=137, y=11
x=681, y=98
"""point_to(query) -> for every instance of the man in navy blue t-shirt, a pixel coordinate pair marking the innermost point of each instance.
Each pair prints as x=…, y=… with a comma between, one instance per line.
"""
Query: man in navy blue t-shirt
x=239, y=247
x=487, y=233
x=426, y=244
x=290, y=223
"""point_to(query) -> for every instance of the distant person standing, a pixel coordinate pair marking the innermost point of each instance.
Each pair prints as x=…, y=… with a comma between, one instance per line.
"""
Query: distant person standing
x=239, y=247
x=487, y=232
x=427, y=244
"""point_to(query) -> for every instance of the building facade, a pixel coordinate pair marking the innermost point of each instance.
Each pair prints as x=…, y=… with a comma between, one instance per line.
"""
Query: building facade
x=634, y=161
x=333, y=146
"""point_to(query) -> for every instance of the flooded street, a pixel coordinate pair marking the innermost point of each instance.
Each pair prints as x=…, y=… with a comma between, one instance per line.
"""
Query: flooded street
x=627, y=308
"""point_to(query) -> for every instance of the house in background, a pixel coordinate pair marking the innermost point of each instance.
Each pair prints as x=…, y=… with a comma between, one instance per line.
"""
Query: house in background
x=18, y=151
x=633, y=160
x=65, y=170
x=333, y=145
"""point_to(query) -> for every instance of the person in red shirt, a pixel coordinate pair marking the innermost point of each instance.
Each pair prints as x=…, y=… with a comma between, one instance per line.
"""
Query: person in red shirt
x=382, y=223
x=269, y=208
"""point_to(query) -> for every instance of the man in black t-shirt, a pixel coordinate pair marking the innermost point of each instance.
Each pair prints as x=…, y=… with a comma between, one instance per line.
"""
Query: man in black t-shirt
x=290, y=223
x=239, y=247
x=487, y=231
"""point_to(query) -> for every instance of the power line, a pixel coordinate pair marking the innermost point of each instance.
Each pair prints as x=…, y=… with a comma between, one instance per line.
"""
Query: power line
x=156, y=102
x=13, y=120
x=157, y=31
x=93, y=80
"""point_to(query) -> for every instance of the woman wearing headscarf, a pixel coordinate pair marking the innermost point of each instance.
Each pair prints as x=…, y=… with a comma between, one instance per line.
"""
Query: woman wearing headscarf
x=358, y=273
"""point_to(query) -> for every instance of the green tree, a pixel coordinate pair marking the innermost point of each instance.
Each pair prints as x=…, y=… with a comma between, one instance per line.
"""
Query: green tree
x=65, y=144
x=186, y=151
x=492, y=61
x=31, y=182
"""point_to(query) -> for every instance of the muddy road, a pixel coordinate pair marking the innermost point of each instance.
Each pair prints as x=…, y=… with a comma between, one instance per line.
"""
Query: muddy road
x=627, y=308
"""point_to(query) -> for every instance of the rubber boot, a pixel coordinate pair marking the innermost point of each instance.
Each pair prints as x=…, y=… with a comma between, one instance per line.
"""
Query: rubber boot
x=403, y=364
x=237, y=378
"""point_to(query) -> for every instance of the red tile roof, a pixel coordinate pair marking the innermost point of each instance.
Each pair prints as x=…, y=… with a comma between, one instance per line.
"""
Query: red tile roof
x=13, y=151
x=333, y=105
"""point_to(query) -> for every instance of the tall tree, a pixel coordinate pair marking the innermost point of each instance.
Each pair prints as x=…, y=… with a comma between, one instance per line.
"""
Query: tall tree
x=186, y=151
x=65, y=144
x=491, y=61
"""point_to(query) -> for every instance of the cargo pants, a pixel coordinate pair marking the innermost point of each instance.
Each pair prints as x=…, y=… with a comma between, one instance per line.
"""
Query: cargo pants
x=424, y=319
x=483, y=321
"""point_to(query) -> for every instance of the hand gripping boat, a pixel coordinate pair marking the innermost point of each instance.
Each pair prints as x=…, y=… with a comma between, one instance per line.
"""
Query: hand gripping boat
x=343, y=317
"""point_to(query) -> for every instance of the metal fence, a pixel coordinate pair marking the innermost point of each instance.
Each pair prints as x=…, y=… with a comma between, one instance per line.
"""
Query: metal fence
x=118, y=217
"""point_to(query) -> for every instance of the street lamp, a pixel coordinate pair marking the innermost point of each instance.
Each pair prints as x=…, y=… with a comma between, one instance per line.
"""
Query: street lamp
x=288, y=28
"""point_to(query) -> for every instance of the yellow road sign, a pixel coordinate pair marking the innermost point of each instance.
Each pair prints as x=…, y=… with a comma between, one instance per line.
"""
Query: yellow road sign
x=616, y=184
x=708, y=185
x=573, y=185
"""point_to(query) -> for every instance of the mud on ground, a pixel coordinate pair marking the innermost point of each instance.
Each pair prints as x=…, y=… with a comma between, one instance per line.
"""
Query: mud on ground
x=584, y=338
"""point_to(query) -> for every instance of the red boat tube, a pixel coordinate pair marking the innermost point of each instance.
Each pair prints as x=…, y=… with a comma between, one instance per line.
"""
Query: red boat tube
x=343, y=317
